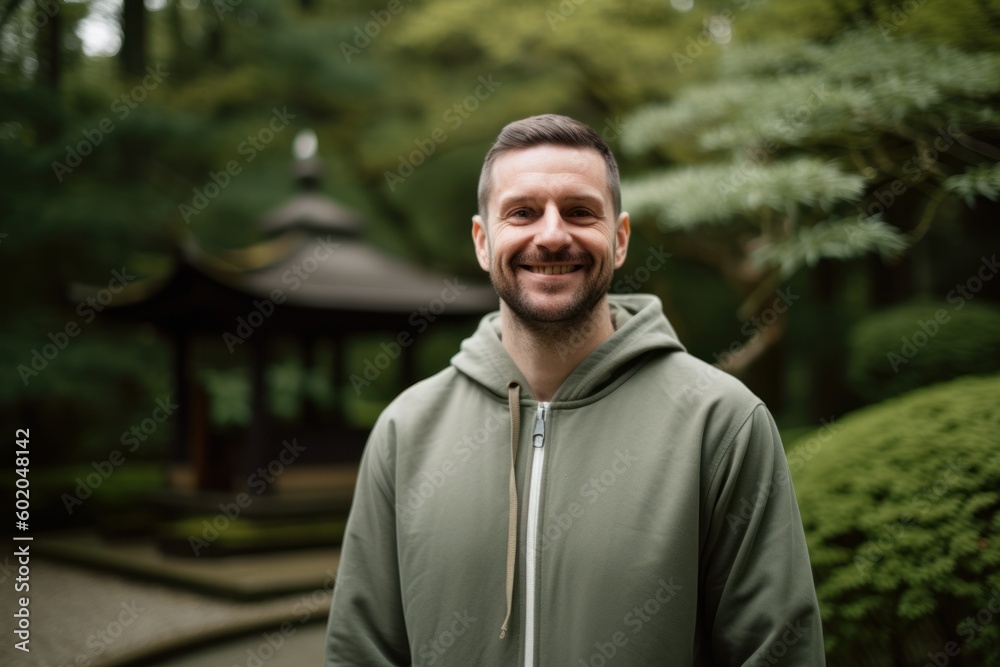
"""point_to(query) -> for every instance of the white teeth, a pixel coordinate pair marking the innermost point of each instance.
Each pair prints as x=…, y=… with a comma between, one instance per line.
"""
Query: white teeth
x=553, y=270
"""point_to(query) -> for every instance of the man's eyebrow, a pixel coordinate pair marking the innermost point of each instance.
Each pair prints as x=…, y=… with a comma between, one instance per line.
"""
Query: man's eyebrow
x=516, y=200
x=528, y=199
x=586, y=198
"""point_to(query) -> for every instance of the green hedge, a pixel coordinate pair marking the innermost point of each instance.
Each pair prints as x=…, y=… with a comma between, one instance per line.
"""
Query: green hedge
x=899, y=503
x=922, y=343
x=111, y=497
x=220, y=536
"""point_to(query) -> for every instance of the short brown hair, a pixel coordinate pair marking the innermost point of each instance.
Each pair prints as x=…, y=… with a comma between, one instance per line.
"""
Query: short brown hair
x=550, y=129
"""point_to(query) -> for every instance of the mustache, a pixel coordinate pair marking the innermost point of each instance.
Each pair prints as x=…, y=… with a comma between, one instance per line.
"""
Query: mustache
x=546, y=257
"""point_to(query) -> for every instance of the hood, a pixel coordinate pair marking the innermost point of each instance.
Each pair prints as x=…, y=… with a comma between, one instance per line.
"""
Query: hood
x=640, y=328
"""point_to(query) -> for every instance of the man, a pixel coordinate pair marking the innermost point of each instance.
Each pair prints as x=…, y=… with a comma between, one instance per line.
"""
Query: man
x=575, y=489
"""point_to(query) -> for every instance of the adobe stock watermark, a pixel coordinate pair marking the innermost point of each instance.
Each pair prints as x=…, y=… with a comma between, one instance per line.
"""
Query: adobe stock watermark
x=793, y=633
x=87, y=309
x=717, y=30
x=613, y=128
x=434, y=649
x=656, y=259
x=294, y=277
x=912, y=172
x=454, y=116
x=273, y=641
x=430, y=482
x=967, y=628
x=419, y=320
x=702, y=383
x=223, y=7
x=563, y=11
x=578, y=335
x=926, y=330
x=46, y=10
x=804, y=453
x=765, y=491
x=317, y=602
x=901, y=13
x=258, y=482
x=761, y=153
x=635, y=620
x=968, y=290
x=876, y=548
x=99, y=641
x=560, y=521
x=104, y=469
x=121, y=107
x=754, y=327
x=372, y=29
x=249, y=148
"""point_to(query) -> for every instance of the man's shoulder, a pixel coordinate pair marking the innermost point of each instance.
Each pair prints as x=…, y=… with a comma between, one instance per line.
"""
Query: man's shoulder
x=694, y=391
x=693, y=383
x=425, y=396
x=710, y=406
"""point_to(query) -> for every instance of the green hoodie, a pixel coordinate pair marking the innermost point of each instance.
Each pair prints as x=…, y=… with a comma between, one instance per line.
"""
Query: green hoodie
x=652, y=519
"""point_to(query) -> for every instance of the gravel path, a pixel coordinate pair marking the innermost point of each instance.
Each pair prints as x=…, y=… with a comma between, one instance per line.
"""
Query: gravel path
x=301, y=648
x=80, y=617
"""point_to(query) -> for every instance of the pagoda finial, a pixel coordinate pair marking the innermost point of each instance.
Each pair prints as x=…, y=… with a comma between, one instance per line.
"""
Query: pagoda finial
x=305, y=144
x=308, y=167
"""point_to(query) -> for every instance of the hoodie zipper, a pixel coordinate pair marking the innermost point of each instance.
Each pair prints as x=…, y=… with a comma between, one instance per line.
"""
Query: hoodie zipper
x=534, y=498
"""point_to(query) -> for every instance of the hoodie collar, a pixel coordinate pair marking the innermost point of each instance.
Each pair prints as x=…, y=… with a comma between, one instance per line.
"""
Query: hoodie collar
x=640, y=328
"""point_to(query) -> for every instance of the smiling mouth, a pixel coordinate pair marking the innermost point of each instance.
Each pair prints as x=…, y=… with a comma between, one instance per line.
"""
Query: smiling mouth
x=552, y=270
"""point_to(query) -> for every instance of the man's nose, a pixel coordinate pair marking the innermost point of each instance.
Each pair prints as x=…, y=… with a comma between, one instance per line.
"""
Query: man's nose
x=553, y=234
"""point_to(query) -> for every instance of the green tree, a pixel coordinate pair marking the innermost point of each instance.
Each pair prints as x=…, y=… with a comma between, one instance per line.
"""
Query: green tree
x=801, y=153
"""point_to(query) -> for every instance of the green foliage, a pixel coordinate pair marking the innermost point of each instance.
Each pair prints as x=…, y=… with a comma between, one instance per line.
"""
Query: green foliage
x=228, y=396
x=200, y=535
x=719, y=193
x=920, y=343
x=900, y=507
x=976, y=182
x=289, y=385
x=119, y=489
x=791, y=94
x=60, y=493
x=95, y=165
x=836, y=239
x=798, y=135
x=618, y=52
x=968, y=24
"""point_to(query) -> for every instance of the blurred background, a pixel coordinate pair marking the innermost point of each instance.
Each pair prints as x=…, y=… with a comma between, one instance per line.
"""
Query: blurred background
x=232, y=231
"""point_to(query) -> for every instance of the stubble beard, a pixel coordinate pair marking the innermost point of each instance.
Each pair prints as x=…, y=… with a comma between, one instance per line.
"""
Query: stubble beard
x=546, y=323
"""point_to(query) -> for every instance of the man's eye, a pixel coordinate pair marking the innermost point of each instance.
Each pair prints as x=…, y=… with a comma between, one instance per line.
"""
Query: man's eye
x=520, y=213
x=581, y=213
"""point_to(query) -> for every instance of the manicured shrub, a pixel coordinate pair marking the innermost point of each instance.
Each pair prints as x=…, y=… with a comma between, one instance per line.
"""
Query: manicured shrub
x=900, y=506
x=921, y=343
x=220, y=536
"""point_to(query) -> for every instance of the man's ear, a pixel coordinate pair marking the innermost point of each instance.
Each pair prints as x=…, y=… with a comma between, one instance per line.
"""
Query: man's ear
x=622, y=233
x=481, y=240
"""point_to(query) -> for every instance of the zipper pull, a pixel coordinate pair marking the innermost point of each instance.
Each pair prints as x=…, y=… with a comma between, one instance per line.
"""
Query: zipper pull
x=538, y=434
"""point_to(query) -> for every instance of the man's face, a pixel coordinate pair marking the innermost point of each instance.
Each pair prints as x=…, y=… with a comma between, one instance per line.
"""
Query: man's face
x=551, y=243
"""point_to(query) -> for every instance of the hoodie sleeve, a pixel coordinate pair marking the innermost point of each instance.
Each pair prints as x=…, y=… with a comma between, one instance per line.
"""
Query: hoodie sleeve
x=366, y=624
x=759, y=601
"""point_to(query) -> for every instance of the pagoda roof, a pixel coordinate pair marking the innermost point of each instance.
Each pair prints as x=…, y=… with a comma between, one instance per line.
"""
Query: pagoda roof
x=319, y=282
